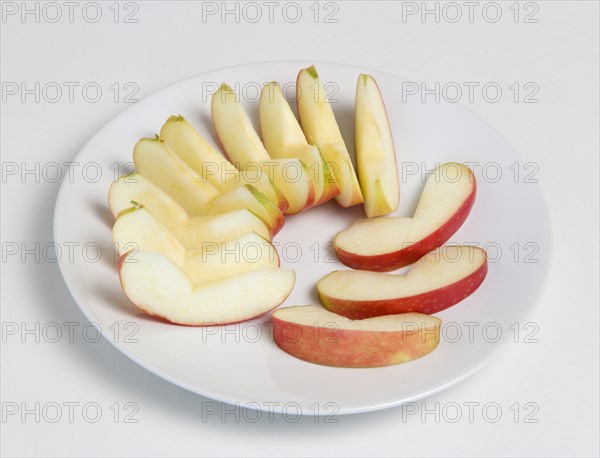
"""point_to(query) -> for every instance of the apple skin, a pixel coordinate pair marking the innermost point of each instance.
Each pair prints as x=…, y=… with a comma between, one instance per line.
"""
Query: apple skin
x=123, y=260
x=391, y=261
x=427, y=303
x=353, y=348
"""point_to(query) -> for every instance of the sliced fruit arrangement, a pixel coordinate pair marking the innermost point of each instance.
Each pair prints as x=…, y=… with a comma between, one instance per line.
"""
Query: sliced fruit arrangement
x=283, y=139
x=211, y=260
x=137, y=188
x=318, y=336
x=439, y=280
x=375, y=156
x=194, y=227
x=384, y=244
x=244, y=148
x=209, y=163
x=321, y=129
x=159, y=287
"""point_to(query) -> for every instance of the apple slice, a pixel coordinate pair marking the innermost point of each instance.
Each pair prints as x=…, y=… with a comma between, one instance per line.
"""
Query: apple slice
x=283, y=138
x=384, y=244
x=248, y=197
x=206, y=161
x=318, y=336
x=137, y=229
x=375, y=156
x=321, y=129
x=219, y=228
x=136, y=188
x=243, y=147
x=439, y=280
x=156, y=285
x=156, y=161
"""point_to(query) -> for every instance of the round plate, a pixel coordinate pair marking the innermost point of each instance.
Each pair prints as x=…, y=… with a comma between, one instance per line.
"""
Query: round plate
x=240, y=364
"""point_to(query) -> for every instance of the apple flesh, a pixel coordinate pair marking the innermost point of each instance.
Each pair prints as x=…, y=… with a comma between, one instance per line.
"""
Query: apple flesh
x=375, y=156
x=206, y=161
x=320, y=128
x=441, y=279
x=384, y=244
x=244, y=148
x=156, y=161
x=157, y=286
x=136, y=188
x=283, y=138
x=136, y=229
x=318, y=336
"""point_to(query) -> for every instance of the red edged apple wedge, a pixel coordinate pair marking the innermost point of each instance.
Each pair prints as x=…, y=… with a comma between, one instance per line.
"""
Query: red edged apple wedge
x=320, y=127
x=206, y=161
x=156, y=161
x=244, y=148
x=439, y=280
x=375, y=156
x=283, y=138
x=137, y=229
x=384, y=244
x=318, y=336
x=157, y=286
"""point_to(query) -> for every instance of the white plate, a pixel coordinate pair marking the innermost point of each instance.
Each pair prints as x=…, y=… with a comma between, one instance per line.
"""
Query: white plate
x=240, y=364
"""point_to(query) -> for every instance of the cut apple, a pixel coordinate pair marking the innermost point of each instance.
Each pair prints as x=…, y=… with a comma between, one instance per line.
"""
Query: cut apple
x=156, y=161
x=206, y=161
x=136, y=229
x=375, y=156
x=439, y=280
x=320, y=127
x=318, y=336
x=134, y=187
x=219, y=228
x=244, y=148
x=156, y=285
x=138, y=189
x=283, y=138
x=248, y=197
x=384, y=244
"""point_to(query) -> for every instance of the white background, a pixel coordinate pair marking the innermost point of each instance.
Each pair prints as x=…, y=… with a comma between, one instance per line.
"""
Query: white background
x=558, y=375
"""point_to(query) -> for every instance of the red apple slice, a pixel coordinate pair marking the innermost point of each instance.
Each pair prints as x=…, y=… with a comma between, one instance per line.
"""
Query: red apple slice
x=441, y=279
x=156, y=285
x=375, y=156
x=384, y=244
x=318, y=336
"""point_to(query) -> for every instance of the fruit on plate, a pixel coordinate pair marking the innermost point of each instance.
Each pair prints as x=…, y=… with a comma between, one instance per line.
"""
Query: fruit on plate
x=209, y=163
x=283, y=138
x=156, y=161
x=318, y=336
x=137, y=229
x=134, y=187
x=248, y=197
x=384, y=244
x=321, y=129
x=375, y=156
x=244, y=148
x=439, y=280
x=156, y=285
